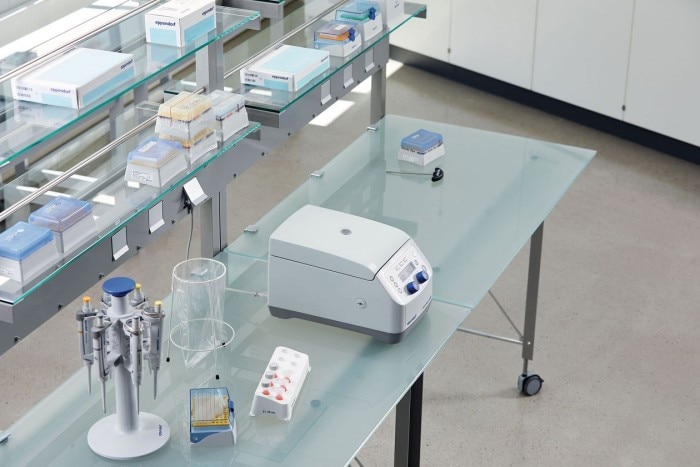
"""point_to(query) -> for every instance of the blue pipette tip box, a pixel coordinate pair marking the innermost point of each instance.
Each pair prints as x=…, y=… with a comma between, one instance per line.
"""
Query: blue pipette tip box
x=421, y=147
x=25, y=251
x=70, y=220
x=366, y=15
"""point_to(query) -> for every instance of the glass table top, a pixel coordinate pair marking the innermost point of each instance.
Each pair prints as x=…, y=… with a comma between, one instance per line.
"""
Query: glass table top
x=497, y=189
x=353, y=384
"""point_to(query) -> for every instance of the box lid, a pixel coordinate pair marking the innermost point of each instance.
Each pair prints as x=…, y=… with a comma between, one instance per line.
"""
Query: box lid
x=421, y=141
x=357, y=11
x=22, y=239
x=336, y=31
x=224, y=103
x=291, y=59
x=60, y=214
x=155, y=152
x=81, y=66
x=179, y=9
x=336, y=241
x=185, y=106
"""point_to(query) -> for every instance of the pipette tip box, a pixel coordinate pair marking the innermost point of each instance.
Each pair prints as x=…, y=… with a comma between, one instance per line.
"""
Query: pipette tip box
x=180, y=22
x=197, y=146
x=155, y=162
x=421, y=147
x=184, y=115
x=212, y=417
x=26, y=250
x=338, y=38
x=366, y=15
x=288, y=68
x=69, y=219
x=76, y=79
x=229, y=113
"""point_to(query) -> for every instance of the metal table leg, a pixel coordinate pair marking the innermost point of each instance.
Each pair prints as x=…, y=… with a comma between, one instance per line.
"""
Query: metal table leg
x=528, y=383
x=407, y=437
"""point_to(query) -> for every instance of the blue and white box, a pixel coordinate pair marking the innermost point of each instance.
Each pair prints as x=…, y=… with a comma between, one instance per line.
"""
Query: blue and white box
x=366, y=15
x=76, y=79
x=69, y=219
x=26, y=251
x=421, y=147
x=338, y=38
x=288, y=68
x=180, y=22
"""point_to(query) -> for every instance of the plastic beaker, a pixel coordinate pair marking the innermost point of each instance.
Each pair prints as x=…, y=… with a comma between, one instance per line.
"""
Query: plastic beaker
x=197, y=309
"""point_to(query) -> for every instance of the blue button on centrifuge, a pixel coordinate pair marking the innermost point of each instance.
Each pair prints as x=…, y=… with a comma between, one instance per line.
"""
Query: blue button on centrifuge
x=118, y=286
x=412, y=287
x=422, y=276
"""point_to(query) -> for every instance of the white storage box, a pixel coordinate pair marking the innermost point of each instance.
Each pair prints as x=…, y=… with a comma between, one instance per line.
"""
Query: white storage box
x=392, y=10
x=180, y=22
x=229, y=112
x=69, y=219
x=184, y=116
x=196, y=147
x=26, y=251
x=338, y=38
x=288, y=68
x=155, y=162
x=75, y=79
x=366, y=15
x=421, y=147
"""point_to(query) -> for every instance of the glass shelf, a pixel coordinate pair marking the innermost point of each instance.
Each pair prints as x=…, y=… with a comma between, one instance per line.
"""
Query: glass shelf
x=32, y=29
x=26, y=124
x=354, y=383
x=278, y=101
x=114, y=201
x=495, y=192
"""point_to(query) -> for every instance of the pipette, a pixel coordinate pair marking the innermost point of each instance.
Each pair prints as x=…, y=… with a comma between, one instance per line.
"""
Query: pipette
x=98, y=337
x=85, y=317
x=154, y=318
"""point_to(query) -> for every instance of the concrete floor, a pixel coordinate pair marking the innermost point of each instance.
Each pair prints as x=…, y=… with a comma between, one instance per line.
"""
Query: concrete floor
x=616, y=333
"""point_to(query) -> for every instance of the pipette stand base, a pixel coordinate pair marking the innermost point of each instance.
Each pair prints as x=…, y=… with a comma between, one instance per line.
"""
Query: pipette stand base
x=107, y=440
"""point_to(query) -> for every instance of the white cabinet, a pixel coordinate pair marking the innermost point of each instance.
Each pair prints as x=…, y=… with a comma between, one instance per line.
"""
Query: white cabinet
x=663, y=92
x=430, y=36
x=494, y=37
x=581, y=52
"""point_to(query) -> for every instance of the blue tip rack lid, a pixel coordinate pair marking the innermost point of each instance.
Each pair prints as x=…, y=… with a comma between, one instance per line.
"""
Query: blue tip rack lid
x=357, y=11
x=22, y=239
x=118, y=286
x=60, y=213
x=155, y=152
x=421, y=141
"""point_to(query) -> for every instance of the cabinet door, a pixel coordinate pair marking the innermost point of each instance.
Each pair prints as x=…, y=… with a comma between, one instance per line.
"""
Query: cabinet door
x=663, y=92
x=581, y=52
x=495, y=38
x=430, y=36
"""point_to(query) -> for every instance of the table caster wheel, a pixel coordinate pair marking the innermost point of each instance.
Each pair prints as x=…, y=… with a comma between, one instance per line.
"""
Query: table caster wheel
x=530, y=384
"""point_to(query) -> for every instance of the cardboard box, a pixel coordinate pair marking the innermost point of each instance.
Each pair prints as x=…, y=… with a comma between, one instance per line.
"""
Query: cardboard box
x=180, y=22
x=288, y=68
x=75, y=79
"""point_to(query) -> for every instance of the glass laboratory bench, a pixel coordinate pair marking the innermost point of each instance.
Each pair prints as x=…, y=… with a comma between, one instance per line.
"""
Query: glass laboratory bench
x=496, y=192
